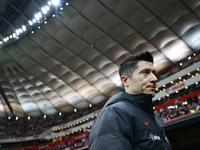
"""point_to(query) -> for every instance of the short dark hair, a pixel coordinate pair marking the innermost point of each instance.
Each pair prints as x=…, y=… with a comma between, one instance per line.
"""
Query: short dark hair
x=129, y=65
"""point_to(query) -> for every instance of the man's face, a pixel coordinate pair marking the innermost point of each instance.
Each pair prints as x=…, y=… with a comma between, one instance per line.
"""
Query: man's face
x=143, y=79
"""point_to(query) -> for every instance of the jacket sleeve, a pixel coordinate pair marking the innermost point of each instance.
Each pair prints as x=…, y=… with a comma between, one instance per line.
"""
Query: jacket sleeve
x=112, y=130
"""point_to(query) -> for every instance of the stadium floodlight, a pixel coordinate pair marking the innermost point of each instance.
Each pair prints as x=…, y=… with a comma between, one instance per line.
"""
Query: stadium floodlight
x=44, y=10
x=55, y=2
x=47, y=7
x=49, y=2
x=20, y=30
x=30, y=22
x=14, y=35
x=5, y=39
x=34, y=21
x=37, y=17
x=39, y=14
x=24, y=28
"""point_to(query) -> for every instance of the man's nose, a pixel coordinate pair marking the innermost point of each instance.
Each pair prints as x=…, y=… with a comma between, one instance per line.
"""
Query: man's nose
x=153, y=78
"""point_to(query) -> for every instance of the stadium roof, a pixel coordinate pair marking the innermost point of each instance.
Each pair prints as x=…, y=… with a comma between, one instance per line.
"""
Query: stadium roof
x=57, y=58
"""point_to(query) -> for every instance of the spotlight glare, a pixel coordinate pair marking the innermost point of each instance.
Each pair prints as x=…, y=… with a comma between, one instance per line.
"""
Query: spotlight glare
x=49, y=3
x=40, y=15
x=55, y=2
x=14, y=35
x=20, y=30
x=47, y=8
x=34, y=21
x=17, y=31
x=30, y=22
x=44, y=10
x=5, y=39
x=37, y=17
x=24, y=28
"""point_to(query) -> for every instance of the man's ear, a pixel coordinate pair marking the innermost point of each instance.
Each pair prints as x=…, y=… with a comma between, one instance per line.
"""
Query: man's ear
x=125, y=81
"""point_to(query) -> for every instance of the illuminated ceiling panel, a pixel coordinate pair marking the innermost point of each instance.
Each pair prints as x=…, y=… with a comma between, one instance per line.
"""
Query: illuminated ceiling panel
x=71, y=60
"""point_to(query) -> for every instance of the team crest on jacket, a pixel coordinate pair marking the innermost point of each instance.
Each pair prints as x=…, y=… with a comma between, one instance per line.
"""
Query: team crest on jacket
x=154, y=137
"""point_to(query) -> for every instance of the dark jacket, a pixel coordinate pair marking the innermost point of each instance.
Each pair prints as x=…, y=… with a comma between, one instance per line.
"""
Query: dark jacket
x=127, y=122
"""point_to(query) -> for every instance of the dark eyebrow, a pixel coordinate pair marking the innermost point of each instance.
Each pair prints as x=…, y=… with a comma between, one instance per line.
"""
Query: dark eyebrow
x=154, y=71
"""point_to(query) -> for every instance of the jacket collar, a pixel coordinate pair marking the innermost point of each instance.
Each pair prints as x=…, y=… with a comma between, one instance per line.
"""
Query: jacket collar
x=142, y=101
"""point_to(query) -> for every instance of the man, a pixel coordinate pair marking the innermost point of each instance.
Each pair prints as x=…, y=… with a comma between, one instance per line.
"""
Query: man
x=127, y=120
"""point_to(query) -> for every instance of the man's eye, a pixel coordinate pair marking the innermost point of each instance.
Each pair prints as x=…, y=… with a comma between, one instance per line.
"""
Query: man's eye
x=145, y=72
